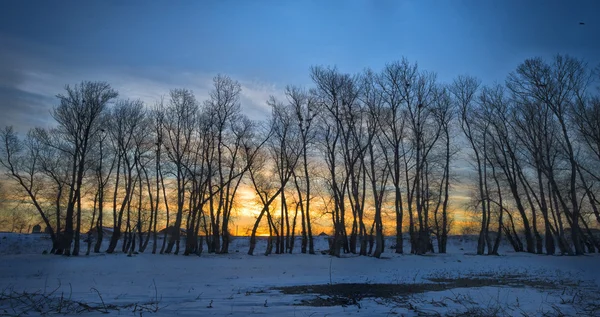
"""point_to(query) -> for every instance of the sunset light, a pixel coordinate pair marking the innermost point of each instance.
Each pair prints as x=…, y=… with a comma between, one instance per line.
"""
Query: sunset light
x=299, y=158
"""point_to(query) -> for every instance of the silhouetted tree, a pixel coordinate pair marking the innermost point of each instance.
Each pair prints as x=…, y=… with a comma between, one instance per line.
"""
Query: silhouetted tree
x=78, y=118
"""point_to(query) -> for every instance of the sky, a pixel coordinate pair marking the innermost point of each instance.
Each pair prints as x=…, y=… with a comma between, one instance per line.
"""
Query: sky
x=145, y=48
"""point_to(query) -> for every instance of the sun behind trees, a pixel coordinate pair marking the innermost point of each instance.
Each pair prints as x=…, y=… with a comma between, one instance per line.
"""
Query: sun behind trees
x=366, y=151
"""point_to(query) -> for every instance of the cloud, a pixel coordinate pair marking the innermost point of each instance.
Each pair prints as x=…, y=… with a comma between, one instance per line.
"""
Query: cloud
x=29, y=84
x=24, y=110
x=19, y=107
x=254, y=97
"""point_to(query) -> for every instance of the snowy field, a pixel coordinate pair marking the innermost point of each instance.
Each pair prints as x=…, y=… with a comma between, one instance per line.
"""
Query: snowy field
x=453, y=284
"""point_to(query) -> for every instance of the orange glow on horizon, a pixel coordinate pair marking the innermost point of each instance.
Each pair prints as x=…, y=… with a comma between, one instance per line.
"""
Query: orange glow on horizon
x=248, y=208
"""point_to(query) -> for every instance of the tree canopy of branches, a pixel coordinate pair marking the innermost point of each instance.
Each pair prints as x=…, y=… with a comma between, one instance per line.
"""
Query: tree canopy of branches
x=376, y=153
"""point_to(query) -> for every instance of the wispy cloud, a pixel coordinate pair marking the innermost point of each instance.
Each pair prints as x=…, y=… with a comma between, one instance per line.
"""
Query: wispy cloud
x=28, y=87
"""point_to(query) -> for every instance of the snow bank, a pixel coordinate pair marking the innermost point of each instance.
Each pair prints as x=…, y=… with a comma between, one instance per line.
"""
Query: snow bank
x=237, y=284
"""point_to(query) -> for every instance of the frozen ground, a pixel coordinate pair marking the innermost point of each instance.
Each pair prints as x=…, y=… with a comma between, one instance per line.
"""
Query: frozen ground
x=453, y=284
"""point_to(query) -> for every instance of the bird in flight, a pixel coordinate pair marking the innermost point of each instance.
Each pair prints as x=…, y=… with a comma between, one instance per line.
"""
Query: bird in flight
x=581, y=23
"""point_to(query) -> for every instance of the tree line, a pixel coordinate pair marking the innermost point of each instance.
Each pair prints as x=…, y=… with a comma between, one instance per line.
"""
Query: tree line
x=358, y=148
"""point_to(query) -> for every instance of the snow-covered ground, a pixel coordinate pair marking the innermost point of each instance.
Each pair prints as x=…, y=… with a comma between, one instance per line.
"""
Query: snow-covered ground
x=236, y=284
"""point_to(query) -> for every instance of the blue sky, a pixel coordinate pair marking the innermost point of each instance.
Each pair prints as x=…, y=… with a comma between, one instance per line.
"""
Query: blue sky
x=145, y=48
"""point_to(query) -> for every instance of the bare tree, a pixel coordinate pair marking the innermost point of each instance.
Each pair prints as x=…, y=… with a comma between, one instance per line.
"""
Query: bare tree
x=21, y=160
x=102, y=178
x=78, y=118
x=559, y=86
x=306, y=109
x=424, y=133
x=229, y=130
x=265, y=186
x=445, y=113
x=464, y=90
x=496, y=111
x=533, y=128
x=391, y=83
x=377, y=169
x=284, y=146
x=143, y=146
x=180, y=121
x=125, y=121
x=337, y=94
x=586, y=115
